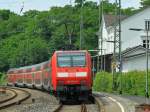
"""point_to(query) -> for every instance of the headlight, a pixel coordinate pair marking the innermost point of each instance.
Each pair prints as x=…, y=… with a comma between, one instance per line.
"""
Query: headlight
x=62, y=74
x=81, y=74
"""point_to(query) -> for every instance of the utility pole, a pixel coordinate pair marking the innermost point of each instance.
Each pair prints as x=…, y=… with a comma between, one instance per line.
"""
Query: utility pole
x=120, y=46
x=147, y=29
x=93, y=68
x=104, y=60
x=117, y=43
x=101, y=34
x=81, y=25
x=100, y=37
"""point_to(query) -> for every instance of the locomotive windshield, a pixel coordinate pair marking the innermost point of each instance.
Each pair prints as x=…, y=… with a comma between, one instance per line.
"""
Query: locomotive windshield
x=71, y=59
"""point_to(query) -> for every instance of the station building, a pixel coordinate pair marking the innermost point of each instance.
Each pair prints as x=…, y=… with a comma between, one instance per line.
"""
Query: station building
x=133, y=42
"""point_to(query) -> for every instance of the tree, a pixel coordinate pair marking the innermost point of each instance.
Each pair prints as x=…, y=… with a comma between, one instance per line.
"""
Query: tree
x=4, y=14
x=33, y=37
x=79, y=2
x=22, y=50
x=128, y=11
x=14, y=25
x=109, y=8
x=145, y=3
x=31, y=13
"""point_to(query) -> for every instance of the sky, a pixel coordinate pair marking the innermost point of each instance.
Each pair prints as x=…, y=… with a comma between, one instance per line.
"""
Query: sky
x=15, y=5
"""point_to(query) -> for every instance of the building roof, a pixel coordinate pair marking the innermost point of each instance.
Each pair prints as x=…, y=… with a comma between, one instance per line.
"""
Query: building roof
x=110, y=19
x=133, y=52
x=130, y=51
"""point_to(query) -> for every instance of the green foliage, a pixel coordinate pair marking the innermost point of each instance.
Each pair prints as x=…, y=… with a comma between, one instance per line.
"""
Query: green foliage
x=145, y=3
x=2, y=79
x=4, y=14
x=109, y=8
x=79, y=2
x=31, y=13
x=103, y=82
x=133, y=83
x=33, y=37
x=23, y=50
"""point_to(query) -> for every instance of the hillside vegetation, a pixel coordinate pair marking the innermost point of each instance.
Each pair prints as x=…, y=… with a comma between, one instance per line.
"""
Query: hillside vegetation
x=133, y=83
x=32, y=38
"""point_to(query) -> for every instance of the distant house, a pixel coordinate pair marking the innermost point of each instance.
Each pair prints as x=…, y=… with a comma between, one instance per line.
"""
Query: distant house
x=132, y=41
x=134, y=59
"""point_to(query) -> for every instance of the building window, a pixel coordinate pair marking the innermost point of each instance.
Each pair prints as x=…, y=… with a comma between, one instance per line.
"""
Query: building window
x=144, y=43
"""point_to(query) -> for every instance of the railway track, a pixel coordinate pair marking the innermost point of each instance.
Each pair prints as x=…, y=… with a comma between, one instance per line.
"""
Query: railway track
x=17, y=96
x=71, y=108
x=10, y=97
x=81, y=107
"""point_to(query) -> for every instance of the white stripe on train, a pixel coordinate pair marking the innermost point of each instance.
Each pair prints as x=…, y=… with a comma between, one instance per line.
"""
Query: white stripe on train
x=66, y=74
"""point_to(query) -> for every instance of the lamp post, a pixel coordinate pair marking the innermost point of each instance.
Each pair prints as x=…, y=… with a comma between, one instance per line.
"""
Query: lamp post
x=147, y=29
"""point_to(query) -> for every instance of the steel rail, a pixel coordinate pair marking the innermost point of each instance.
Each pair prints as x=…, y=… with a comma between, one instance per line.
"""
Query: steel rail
x=58, y=108
x=100, y=104
x=10, y=98
x=83, y=108
x=9, y=103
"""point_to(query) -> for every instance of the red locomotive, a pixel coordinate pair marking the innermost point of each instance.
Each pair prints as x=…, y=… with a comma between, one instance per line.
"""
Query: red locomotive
x=67, y=75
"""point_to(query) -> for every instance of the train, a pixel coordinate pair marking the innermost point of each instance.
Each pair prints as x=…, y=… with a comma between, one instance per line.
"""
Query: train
x=67, y=75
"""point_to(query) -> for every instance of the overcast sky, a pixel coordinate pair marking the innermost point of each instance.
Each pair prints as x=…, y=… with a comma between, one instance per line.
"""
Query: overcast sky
x=15, y=5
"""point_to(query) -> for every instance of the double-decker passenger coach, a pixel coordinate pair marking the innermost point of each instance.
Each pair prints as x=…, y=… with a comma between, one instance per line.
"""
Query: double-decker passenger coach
x=67, y=75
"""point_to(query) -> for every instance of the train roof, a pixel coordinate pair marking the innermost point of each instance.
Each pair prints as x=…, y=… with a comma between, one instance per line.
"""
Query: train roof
x=73, y=51
x=28, y=67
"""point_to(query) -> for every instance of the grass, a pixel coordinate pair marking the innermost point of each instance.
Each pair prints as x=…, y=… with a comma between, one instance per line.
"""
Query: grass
x=131, y=83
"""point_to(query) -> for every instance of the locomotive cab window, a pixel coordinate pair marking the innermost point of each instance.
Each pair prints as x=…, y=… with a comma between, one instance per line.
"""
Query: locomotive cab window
x=71, y=59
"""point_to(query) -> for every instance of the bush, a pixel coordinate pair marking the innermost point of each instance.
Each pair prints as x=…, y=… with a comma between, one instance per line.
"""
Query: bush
x=2, y=78
x=103, y=82
x=132, y=83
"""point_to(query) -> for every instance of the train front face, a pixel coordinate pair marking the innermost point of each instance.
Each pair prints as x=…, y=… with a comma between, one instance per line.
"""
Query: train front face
x=74, y=79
